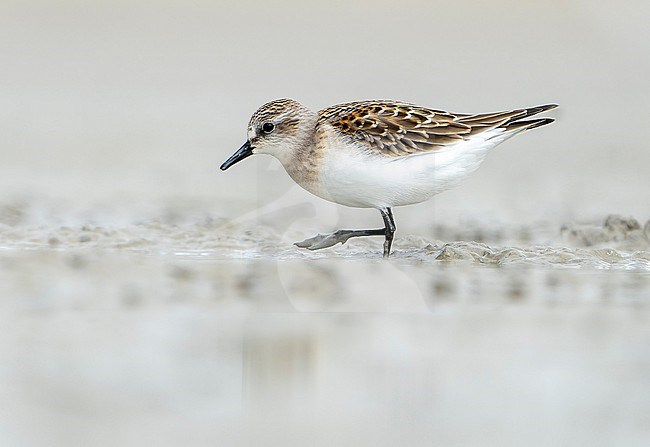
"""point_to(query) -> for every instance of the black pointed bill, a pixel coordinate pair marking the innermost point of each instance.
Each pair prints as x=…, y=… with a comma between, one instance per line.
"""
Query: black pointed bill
x=245, y=151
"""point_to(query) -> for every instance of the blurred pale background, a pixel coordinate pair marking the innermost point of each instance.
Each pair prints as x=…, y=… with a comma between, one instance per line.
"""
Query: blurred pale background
x=143, y=100
x=131, y=316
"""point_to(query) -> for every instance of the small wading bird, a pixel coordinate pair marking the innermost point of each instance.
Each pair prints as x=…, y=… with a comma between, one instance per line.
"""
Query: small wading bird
x=378, y=153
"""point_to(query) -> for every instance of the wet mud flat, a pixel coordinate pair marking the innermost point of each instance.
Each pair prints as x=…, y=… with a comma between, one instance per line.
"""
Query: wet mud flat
x=170, y=333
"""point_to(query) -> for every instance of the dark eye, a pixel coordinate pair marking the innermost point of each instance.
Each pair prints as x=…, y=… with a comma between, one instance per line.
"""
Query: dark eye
x=268, y=127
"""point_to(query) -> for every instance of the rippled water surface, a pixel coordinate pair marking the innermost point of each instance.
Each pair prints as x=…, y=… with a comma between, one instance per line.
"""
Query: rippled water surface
x=182, y=326
x=198, y=329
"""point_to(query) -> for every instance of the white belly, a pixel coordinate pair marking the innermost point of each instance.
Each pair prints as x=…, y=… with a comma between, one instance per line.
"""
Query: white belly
x=350, y=177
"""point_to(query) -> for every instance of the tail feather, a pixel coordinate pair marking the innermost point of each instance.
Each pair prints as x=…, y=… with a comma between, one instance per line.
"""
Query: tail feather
x=519, y=123
x=538, y=109
x=528, y=124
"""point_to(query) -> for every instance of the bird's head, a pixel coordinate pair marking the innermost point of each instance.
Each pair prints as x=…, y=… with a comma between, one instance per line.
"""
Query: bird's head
x=279, y=128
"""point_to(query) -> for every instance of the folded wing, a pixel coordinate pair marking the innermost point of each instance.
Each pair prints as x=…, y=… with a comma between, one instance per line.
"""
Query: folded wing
x=397, y=129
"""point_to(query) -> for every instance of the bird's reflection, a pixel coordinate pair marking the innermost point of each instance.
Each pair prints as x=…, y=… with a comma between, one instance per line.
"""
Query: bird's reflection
x=278, y=368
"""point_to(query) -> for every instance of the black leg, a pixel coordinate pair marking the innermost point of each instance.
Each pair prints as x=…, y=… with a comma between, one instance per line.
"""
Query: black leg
x=341, y=236
x=389, y=230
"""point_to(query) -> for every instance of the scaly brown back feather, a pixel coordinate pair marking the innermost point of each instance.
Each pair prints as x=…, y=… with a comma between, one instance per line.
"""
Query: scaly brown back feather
x=395, y=129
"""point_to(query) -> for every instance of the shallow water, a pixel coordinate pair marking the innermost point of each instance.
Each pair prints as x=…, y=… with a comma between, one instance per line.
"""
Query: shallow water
x=187, y=327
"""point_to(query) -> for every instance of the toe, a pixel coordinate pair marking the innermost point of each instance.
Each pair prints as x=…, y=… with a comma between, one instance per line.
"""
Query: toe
x=317, y=242
x=325, y=242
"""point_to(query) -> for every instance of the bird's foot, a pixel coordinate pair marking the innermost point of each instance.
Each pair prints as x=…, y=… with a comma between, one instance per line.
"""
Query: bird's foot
x=326, y=240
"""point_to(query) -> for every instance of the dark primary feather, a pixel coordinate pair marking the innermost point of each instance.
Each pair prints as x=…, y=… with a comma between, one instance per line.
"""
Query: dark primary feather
x=396, y=128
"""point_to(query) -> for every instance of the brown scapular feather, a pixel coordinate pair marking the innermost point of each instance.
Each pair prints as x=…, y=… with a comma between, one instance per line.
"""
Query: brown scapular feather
x=394, y=128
